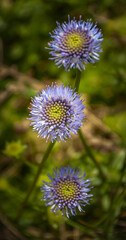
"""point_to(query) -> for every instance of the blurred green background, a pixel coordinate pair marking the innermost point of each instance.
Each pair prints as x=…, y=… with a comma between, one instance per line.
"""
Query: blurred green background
x=25, y=69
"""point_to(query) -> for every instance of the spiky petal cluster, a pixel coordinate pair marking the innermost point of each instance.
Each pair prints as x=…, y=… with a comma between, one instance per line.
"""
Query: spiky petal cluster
x=56, y=112
x=75, y=43
x=67, y=191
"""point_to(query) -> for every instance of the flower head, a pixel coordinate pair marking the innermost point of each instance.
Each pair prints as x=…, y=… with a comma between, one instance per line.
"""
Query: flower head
x=75, y=43
x=57, y=111
x=67, y=191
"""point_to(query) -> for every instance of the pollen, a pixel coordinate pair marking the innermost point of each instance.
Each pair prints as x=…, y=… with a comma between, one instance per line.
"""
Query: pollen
x=74, y=40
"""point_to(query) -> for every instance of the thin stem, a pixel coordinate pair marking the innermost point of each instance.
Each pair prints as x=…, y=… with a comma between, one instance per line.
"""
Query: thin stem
x=88, y=149
x=117, y=199
x=77, y=81
x=83, y=228
x=90, y=154
x=114, y=212
x=46, y=154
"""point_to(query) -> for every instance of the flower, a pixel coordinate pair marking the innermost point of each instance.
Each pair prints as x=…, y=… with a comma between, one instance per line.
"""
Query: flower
x=67, y=191
x=56, y=112
x=75, y=43
x=14, y=149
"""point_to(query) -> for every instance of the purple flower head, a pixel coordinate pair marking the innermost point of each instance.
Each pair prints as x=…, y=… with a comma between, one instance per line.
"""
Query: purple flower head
x=67, y=191
x=75, y=43
x=56, y=112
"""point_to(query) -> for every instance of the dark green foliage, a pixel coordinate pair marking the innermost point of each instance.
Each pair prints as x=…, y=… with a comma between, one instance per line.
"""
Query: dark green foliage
x=24, y=34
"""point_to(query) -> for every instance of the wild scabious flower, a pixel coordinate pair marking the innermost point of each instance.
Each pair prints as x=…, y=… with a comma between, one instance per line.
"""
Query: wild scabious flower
x=75, y=43
x=67, y=191
x=56, y=112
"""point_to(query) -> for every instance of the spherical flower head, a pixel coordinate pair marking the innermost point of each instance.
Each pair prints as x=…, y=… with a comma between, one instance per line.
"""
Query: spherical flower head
x=75, y=43
x=56, y=112
x=67, y=191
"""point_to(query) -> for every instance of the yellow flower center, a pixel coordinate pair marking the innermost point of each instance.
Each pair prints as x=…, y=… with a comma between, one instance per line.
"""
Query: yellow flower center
x=67, y=190
x=74, y=40
x=56, y=112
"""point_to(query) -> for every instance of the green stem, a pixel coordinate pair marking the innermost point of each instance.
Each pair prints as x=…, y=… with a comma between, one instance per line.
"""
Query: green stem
x=116, y=201
x=83, y=228
x=113, y=216
x=77, y=81
x=88, y=149
x=46, y=154
x=90, y=154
